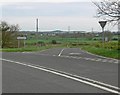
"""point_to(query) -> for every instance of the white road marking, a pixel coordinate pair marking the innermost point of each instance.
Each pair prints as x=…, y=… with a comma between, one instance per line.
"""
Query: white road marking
x=61, y=52
x=116, y=62
x=91, y=59
x=70, y=76
x=26, y=52
x=104, y=60
x=98, y=59
x=110, y=60
x=74, y=53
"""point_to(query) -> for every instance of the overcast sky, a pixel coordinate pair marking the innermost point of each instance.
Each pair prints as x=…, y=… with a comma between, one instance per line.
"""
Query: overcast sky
x=54, y=15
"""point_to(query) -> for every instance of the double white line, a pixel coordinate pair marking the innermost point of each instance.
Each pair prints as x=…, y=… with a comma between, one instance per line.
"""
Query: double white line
x=97, y=84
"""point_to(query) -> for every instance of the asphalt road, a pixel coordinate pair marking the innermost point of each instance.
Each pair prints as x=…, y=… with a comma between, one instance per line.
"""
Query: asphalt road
x=24, y=72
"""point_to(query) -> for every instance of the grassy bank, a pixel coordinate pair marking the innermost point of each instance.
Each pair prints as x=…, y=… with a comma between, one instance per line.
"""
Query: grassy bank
x=103, y=51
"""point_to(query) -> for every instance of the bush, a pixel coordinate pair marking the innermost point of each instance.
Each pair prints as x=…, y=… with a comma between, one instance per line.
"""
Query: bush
x=108, y=45
x=41, y=43
x=54, y=42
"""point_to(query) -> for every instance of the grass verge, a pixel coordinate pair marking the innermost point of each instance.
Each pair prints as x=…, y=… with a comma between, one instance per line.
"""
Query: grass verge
x=32, y=48
x=102, y=51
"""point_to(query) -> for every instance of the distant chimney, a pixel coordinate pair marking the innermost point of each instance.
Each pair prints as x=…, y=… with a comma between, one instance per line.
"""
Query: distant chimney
x=37, y=25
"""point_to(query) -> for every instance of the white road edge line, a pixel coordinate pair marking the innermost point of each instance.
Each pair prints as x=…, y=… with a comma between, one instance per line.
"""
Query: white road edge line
x=60, y=52
x=64, y=75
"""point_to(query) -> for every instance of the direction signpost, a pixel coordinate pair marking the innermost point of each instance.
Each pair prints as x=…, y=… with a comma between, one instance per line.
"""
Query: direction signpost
x=102, y=24
x=21, y=38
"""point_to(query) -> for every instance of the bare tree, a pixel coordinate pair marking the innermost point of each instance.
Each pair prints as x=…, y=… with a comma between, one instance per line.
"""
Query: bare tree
x=109, y=9
x=9, y=33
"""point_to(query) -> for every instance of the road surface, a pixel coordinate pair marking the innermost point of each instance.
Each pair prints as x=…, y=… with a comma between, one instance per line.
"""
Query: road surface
x=58, y=70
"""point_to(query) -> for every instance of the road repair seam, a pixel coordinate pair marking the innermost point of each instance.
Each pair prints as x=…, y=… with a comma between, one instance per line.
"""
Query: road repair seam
x=84, y=80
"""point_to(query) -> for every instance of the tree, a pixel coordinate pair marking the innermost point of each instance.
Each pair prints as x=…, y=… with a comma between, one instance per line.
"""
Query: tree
x=9, y=33
x=109, y=9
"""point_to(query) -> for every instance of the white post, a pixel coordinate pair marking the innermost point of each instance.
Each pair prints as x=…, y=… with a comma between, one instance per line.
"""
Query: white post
x=18, y=43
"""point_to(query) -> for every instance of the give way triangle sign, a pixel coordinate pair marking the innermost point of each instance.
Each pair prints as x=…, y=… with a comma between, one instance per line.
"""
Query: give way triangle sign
x=102, y=23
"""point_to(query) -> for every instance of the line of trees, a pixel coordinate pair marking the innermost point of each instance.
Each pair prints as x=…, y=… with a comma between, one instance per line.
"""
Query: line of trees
x=9, y=34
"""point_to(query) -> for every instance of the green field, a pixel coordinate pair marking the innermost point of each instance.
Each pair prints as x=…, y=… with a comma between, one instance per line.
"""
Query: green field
x=109, y=49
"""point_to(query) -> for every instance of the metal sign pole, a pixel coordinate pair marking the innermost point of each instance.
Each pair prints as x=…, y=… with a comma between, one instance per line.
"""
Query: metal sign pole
x=102, y=24
x=103, y=38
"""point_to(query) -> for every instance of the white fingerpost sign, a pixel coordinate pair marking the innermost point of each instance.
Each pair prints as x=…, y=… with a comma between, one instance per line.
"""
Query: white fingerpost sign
x=21, y=38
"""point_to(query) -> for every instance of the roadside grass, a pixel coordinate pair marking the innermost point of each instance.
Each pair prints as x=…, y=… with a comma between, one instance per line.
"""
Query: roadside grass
x=109, y=49
x=32, y=48
x=102, y=51
x=26, y=49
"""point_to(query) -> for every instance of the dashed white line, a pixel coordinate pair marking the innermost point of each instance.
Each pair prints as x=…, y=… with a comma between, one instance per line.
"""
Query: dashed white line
x=74, y=53
x=91, y=59
x=98, y=59
x=104, y=60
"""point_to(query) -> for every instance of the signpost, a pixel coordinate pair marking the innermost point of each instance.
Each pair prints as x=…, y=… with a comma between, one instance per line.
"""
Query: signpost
x=102, y=24
x=21, y=38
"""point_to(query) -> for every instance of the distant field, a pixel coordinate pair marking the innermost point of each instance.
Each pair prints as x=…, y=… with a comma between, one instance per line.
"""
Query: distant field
x=58, y=39
x=110, y=49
